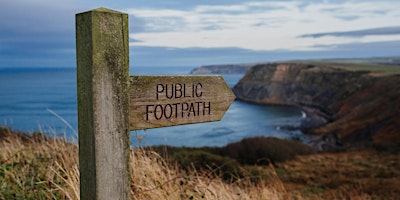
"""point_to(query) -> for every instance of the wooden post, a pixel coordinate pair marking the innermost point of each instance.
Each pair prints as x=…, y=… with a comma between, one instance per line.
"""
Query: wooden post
x=102, y=47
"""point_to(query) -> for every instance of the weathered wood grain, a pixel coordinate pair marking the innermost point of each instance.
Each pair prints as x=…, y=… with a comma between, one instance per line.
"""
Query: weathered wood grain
x=160, y=101
x=103, y=104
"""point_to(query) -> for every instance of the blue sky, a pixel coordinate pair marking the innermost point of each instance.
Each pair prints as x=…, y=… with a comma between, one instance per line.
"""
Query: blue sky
x=41, y=33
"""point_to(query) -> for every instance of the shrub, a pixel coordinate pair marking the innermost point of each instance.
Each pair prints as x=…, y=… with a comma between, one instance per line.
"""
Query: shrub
x=384, y=147
x=263, y=150
x=226, y=161
x=225, y=167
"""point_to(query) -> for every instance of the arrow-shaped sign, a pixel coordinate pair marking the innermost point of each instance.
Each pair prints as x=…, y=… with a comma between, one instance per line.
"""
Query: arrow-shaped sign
x=160, y=101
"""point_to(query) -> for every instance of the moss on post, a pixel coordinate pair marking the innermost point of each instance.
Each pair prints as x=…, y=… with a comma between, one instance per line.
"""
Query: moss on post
x=102, y=47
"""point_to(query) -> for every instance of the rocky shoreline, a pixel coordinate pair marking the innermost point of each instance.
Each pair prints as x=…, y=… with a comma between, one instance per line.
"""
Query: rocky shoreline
x=310, y=120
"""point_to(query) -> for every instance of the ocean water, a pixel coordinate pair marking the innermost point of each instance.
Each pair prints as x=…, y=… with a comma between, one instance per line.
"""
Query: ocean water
x=44, y=100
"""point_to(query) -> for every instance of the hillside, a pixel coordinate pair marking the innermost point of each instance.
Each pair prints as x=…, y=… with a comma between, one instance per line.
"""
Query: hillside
x=38, y=167
x=344, y=104
x=222, y=69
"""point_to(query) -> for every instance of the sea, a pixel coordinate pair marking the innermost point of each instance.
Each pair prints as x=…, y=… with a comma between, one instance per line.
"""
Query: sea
x=45, y=100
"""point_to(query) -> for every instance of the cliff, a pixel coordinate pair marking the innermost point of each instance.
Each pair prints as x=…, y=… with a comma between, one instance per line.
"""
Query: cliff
x=349, y=106
x=222, y=69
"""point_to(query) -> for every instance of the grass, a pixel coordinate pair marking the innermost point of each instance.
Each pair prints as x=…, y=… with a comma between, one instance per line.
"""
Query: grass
x=374, y=69
x=349, y=174
x=154, y=178
x=38, y=167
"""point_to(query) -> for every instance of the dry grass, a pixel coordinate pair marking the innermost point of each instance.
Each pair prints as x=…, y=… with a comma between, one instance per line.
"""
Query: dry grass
x=41, y=168
x=347, y=175
x=37, y=167
x=165, y=181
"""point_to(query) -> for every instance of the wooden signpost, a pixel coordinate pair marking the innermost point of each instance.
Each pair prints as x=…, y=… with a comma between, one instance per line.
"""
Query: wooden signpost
x=111, y=103
x=159, y=101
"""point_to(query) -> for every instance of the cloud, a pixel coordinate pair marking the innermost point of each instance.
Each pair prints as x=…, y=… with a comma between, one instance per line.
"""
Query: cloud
x=359, y=33
x=41, y=32
x=221, y=9
x=265, y=25
x=145, y=56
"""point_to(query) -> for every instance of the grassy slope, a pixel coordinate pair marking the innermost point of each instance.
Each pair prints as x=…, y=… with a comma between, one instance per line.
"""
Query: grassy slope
x=41, y=168
x=375, y=69
x=36, y=167
x=364, y=174
x=377, y=66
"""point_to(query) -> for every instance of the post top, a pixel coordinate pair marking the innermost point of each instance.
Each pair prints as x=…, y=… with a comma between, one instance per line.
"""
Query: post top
x=102, y=9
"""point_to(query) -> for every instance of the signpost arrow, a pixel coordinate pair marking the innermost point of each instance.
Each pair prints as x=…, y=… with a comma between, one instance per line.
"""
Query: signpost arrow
x=160, y=101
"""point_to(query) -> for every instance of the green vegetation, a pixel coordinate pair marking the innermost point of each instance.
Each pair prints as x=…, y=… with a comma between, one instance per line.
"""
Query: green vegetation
x=376, y=66
x=235, y=160
x=36, y=167
x=263, y=151
x=375, y=70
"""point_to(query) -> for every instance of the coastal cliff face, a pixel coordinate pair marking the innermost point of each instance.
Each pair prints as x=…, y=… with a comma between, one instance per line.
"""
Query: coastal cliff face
x=352, y=106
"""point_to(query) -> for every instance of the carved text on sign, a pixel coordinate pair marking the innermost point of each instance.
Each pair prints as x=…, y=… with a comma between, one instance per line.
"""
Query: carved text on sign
x=174, y=110
x=159, y=101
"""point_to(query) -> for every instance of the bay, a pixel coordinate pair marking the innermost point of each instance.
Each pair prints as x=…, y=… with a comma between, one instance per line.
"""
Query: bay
x=44, y=100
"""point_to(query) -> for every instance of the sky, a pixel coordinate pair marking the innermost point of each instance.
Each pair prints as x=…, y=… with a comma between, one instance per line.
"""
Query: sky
x=41, y=33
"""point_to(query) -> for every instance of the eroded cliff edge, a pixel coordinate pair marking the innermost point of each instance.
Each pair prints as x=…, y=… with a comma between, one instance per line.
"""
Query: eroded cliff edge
x=348, y=106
